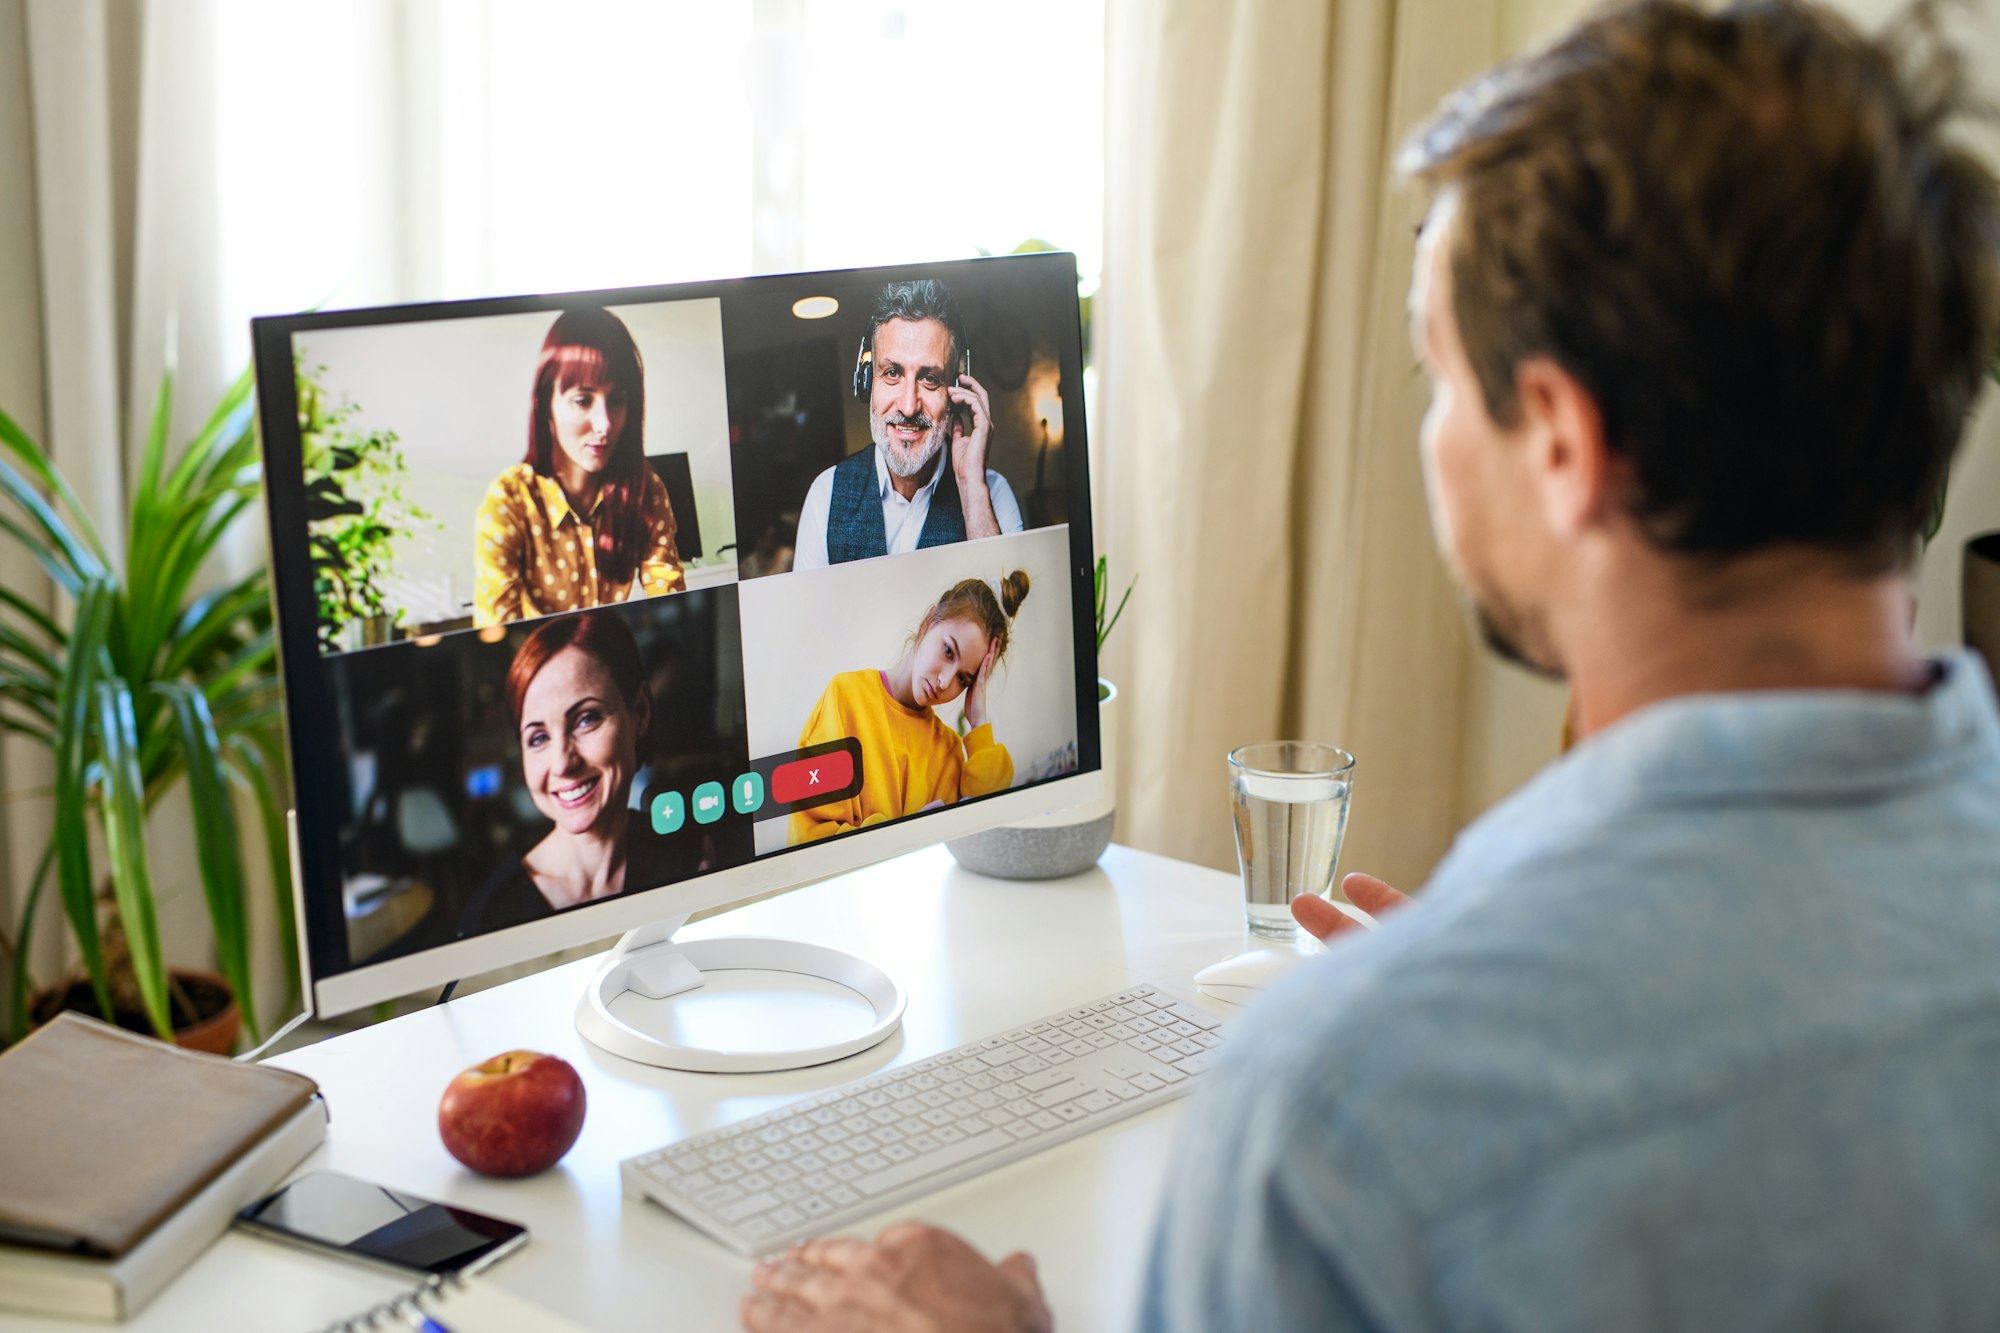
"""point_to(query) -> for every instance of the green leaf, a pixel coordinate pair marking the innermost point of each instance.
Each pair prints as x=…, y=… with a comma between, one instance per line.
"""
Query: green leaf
x=218, y=447
x=260, y=767
x=216, y=842
x=71, y=834
x=16, y=727
x=32, y=457
x=35, y=616
x=44, y=665
x=58, y=569
x=17, y=1018
x=152, y=463
x=123, y=814
x=211, y=620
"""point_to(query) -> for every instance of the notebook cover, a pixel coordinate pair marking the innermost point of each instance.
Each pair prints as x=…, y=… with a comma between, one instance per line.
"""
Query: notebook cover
x=109, y=1132
x=44, y=1282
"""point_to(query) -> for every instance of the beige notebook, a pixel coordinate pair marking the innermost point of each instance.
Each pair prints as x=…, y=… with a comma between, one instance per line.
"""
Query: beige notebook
x=108, y=1132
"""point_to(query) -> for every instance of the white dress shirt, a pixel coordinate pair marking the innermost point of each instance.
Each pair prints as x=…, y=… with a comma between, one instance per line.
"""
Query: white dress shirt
x=902, y=520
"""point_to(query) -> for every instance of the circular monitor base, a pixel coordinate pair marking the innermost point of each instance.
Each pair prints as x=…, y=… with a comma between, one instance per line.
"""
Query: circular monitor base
x=671, y=967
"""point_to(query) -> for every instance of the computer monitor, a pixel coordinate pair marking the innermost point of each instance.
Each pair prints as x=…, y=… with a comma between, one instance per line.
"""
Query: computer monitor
x=521, y=720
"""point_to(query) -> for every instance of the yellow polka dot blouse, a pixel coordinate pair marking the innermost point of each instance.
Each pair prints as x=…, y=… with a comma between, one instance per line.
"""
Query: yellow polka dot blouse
x=537, y=556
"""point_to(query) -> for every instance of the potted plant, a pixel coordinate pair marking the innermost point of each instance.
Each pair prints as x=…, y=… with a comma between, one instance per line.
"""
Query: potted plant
x=150, y=683
x=355, y=512
x=1064, y=841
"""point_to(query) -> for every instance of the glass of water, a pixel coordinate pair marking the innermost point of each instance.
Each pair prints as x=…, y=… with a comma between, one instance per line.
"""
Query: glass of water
x=1289, y=799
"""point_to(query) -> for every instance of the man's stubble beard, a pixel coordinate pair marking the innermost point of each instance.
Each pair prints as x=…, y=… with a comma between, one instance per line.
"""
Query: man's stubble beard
x=899, y=463
x=1504, y=634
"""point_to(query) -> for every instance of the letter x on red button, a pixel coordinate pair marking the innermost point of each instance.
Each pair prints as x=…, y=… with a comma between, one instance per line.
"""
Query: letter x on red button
x=803, y=778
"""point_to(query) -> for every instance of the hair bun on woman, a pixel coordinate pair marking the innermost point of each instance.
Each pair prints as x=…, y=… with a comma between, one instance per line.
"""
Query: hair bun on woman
x=1013, y=592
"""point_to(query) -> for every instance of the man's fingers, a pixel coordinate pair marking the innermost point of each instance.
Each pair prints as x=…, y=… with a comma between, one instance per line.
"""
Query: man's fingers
x=843, y=1254
x=761, y=1312
x=1321, y=917
x=1020, y=1267
x=805, y=1283
x=1370, y=894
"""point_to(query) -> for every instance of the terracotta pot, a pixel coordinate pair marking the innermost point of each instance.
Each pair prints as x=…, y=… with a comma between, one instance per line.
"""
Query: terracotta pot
x=214, y=1028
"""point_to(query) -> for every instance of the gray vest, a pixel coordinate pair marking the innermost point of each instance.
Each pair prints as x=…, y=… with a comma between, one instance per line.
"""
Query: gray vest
x=854, y=528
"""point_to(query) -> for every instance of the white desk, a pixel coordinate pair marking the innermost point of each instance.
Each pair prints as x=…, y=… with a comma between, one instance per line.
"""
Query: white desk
x=976, y=955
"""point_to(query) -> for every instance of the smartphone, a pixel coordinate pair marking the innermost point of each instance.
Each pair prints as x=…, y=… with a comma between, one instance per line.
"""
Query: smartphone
x=961, y=415
x=377, y=1225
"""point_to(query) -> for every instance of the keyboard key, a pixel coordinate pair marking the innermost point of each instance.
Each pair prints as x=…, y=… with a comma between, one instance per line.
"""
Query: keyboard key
x=749, y=1207
x=1195, y=1064
x=1049, y=1098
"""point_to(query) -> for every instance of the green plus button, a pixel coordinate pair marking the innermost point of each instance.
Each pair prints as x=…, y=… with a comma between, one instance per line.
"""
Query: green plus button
x=748, y=793
x=708, y=803
x=669, y=813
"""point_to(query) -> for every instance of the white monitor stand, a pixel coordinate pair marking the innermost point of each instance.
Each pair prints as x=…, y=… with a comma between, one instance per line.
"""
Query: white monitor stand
x=650, y=962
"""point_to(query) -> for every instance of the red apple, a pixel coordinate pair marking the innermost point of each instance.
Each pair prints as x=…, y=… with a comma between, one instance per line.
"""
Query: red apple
x=513, y=1115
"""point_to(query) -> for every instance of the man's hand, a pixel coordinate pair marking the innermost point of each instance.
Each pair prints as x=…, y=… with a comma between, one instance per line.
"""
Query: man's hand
x=968, y=457
x=913, y=1279
x=1366, y=892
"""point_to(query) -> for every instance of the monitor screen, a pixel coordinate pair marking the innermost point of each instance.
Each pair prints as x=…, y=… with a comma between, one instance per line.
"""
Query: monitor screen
x=607, y=607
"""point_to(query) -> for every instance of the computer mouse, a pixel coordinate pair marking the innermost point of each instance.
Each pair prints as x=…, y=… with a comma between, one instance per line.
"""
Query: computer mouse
x=1237, y=980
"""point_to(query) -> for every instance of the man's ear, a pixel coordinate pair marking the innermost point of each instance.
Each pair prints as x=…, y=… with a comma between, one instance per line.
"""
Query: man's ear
x=1571, y=462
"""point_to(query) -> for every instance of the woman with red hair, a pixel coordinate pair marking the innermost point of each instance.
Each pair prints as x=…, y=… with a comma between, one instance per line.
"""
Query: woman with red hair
x=582, y=713
x=581, y=520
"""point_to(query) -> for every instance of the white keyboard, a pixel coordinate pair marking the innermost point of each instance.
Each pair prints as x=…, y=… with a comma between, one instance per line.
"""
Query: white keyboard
x=826, y=1162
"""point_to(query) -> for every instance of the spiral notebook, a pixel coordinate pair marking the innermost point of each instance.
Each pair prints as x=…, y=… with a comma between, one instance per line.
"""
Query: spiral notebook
x=457, y=1304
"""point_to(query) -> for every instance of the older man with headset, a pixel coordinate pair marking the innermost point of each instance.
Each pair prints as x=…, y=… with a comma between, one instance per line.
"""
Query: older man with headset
x=925, y=483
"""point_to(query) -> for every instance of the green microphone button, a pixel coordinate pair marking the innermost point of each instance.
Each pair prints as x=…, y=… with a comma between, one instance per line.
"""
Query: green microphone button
x=747, y=794
x=669, y=813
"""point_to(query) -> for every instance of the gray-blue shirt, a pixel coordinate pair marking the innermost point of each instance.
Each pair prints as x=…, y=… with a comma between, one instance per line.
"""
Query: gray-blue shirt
x=1698, y=1030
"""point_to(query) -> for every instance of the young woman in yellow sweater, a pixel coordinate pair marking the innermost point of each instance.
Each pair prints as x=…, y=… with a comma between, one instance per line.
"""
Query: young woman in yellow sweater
x=910, y=759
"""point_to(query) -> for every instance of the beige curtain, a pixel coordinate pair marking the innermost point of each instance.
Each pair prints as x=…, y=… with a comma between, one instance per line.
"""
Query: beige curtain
x=111, y=253
x=1256, y=457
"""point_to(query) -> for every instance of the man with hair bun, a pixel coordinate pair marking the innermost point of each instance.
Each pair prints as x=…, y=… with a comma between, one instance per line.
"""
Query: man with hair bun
x=1699, y=1029
x=925, y=483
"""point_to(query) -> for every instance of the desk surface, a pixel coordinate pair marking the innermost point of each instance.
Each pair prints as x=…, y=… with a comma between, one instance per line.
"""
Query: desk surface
x=976, y=955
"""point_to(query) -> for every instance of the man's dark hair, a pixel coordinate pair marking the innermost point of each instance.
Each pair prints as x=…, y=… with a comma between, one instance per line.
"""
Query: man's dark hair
x=921, y=298
x=1747, y=233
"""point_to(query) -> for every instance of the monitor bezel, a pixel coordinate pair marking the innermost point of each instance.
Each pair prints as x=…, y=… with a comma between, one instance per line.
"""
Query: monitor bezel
x=312, y=824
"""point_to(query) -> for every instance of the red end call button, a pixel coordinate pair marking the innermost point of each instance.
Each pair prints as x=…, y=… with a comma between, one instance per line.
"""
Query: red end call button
x=802, y=779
